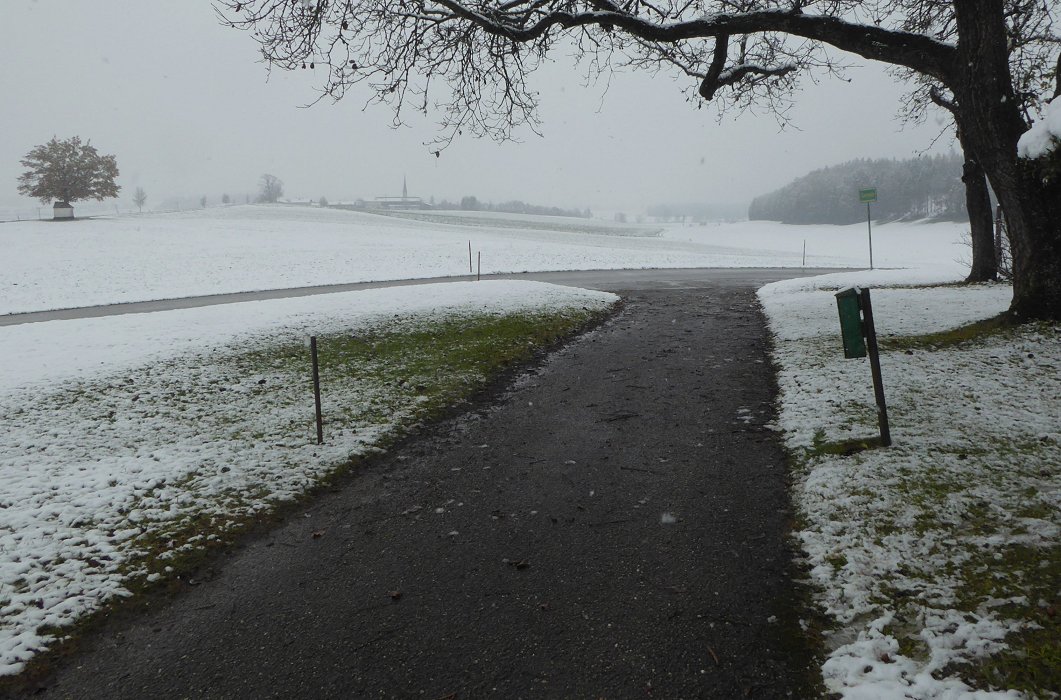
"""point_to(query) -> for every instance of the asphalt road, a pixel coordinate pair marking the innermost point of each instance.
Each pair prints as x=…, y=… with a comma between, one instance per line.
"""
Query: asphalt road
x=594, y=279
x=610, y=524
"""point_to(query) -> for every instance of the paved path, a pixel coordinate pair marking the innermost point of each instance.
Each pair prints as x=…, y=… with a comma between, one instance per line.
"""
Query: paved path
x=610, y=526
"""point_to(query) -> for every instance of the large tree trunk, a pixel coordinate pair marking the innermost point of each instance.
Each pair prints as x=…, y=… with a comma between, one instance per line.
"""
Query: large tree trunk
x=991, y=123
x=981, y=222
x=1036, y=244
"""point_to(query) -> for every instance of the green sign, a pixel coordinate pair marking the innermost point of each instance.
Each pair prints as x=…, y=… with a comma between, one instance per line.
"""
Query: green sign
x=849, y=304
x=867, y=195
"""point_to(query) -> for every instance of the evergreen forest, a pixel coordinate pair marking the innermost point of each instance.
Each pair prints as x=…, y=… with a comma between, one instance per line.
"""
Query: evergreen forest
x=929, y=187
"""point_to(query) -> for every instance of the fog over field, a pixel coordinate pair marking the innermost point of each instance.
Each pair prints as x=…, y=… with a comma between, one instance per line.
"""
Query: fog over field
x=191, y=122
x=240, y=248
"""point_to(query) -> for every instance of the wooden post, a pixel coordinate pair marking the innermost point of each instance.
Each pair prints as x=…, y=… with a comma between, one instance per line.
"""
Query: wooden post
x=804, y=252
x=479, y=269
x=470, y=258
x=316, y=389
x=870, y=333
x=869, y=229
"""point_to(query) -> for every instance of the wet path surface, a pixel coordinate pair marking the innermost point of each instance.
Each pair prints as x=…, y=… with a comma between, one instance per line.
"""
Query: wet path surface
x=610, y=526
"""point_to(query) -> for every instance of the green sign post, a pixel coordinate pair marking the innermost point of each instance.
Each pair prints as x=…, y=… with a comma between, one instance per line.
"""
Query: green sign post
x=860, y=339
x=867, y=195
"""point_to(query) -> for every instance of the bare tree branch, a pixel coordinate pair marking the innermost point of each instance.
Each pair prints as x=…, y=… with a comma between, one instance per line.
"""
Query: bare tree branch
x=936, y=95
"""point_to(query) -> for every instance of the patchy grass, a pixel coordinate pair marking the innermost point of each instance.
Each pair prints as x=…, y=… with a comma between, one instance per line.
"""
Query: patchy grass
x=936, y=559
x=390, y=378
x=969, y=333
x=1019, y=583
x=193, y=452
x=821, y=447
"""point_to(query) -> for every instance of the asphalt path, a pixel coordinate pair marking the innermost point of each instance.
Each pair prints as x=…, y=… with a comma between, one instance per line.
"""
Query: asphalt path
x=609, y=524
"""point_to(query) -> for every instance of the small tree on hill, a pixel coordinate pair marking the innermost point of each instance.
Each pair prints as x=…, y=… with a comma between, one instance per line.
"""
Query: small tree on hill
x=270, y=188
x=225, y=199
x=68, y=171
x=202, y=202
x=323, y=201
x=139, y=197
x=995, y=60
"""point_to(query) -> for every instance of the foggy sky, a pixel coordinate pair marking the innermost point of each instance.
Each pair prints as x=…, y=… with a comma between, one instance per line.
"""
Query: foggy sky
x=188, y=110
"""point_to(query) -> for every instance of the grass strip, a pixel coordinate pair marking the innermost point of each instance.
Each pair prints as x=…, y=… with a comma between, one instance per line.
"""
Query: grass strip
x=250, y=403
x=952, y=531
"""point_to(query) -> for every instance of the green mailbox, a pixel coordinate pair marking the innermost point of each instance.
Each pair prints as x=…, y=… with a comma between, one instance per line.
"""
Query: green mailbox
x=860, y=340
x=849, y=304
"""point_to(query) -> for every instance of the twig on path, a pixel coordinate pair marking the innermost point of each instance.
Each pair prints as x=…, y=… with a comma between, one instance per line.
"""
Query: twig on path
x=638, y=469
x=620, y=415
x=386, y=634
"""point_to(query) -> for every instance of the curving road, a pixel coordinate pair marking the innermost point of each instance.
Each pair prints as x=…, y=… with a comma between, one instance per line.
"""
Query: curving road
x=592, y=279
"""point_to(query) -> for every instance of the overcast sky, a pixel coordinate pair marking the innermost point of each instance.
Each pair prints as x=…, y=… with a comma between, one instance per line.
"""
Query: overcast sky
x=188, y=110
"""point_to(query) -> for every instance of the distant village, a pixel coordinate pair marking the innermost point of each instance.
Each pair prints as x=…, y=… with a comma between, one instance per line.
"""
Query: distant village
x=685, y=213
x=410, y=202
x=402, y=202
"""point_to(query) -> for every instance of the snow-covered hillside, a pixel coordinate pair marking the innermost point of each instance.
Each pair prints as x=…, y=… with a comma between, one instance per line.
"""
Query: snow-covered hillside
x=49, y=265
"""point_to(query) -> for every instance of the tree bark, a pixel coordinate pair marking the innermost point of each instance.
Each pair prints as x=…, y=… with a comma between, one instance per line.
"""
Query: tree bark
x=991, y=123
x=986, y=255
x=981, y=222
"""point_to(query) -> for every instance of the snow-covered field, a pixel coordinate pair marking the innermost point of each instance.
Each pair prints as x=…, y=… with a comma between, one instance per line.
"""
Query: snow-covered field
x=119, y=430
x=926, y=554
x=49, y=265
x=115, y=427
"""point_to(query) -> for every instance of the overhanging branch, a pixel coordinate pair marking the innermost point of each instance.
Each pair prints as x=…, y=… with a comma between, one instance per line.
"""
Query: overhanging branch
x=911, y=50
x=709, y=85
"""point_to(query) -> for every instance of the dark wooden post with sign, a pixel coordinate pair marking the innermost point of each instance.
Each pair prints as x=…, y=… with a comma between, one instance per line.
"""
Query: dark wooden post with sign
x=860, y=340
x=869, y=195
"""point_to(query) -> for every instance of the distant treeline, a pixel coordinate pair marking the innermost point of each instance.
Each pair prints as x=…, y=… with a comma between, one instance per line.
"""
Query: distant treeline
x=514, y=206
x=916, y=188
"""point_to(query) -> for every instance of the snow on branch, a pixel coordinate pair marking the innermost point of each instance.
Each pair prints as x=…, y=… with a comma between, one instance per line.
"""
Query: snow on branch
x=718, y=76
